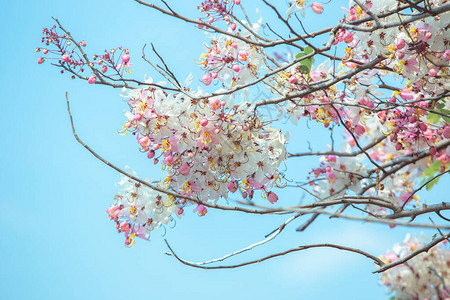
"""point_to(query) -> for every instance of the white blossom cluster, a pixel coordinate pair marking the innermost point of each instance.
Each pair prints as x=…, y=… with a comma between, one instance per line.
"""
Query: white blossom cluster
x=208, y=147
x=425, y=276
x=139, y=209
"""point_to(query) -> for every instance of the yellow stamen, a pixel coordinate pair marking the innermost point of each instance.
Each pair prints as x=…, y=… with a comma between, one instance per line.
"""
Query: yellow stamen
x=206, y=138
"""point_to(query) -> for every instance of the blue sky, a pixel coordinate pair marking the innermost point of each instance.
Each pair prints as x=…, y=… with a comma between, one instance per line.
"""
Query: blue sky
x=55, y=238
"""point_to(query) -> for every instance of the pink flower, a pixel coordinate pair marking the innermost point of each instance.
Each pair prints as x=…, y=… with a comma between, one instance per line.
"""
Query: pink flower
x=92, y=79
x=215, y=104
x=331, y=158
x=207, y=79
x=359, y=129
x=184, y=169
x=201, y=210
x=410, y=65
x=169, y=160
x=407, y=94
x=243, y=55
x=125, y=59
x=400, y=44
x=348, y=37
x=317, y=7
x=232, y=186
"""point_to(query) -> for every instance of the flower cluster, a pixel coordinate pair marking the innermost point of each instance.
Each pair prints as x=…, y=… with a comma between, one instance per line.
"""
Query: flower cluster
x=425, y=276
x=208, y=147
x=71, y=57
x=230, y=61
x=138, y=210
x=216, y=10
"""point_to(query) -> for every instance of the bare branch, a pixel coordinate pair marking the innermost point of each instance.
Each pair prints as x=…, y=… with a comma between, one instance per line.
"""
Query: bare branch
x=300, y=248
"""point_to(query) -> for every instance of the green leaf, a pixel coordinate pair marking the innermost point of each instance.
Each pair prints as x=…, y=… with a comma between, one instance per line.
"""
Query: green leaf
x=307, y=62
x=446, y=112
x=432, y=169
x=430, y=185
x=435, y=118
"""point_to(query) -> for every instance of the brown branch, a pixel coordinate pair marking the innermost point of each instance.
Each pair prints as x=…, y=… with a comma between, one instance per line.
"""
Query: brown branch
x=422, y=186
x=341, y=154
x=300, y=248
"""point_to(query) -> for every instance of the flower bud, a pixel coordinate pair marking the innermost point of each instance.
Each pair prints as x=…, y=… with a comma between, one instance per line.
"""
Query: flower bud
x=83, y=43
x=138, y=116
x=104, y=68
x=204, y=122
x=151, y=154
x=446, y=132
x=233, y=26
x=432, y=72
x=433, y=150
x=236, y=68
x=65, y=57
x=447, y=54
x=201, y=210
x=92, y=79
x=272, y=197
x=207, y=79
x=292, y=79
x=317, y=7
x=41, y=60
x=423, y=127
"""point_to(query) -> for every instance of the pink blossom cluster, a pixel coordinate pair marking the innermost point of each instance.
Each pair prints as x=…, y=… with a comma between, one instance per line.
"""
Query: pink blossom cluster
x=71, y=56
x=216, y=10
